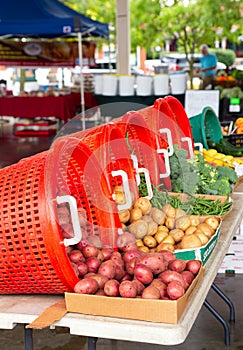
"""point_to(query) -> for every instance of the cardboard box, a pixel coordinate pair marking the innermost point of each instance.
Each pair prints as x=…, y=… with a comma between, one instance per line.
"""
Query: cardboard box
x=165, y=311
x=201, y=253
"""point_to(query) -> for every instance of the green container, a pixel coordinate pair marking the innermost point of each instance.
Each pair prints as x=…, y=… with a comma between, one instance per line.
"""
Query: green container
x=206, y=126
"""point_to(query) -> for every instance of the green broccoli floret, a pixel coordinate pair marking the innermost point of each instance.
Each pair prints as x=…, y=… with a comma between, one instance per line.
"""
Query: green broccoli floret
x=227, y=172
x=187, y=182
x=220, y=187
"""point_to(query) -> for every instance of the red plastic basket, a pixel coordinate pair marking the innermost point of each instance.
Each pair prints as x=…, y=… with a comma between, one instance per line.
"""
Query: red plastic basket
x=110, y=148
x=33, y=258
x=183, y=123
x=141, y=141
x=159, y=141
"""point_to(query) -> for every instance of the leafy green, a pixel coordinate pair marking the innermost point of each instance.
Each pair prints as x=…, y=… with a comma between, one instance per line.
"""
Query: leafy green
x=197, y=176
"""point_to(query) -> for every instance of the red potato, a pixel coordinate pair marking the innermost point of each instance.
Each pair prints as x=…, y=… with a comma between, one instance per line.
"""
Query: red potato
x=94, y=240
x=107, y=268
x=129, y=265
x=63, y=211
x=125, y=241
x=126, y=277
x=93, y=264
x=151, y=292
x=178, y=265
x=167, y=255
x=175, y=290
x=168, y=276
x=188, y=276
x=139, y=285
x=100, y=256
x=100, y=292
x=106, y=253
x=111, y=288
x=154, y=261
x=160, y=285
x=99, y=278
x=129, y=246
x=63, y=219
x=90, y=251
x=193, y=266
x=67, y=231
x=76, y=256
x=128, y=289
x=82, y=217
x=86, y=286
x=118, y=260
x=143, y=273
x=120, y=272
x=75, y=268
x=130, y=254
x=82, y=244
x=82, y=268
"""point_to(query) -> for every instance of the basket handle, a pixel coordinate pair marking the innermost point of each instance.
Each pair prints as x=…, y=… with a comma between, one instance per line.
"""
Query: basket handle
x=190, y=148
x=167, y=163
x=199, y=145
x=126, y=188
x=74, y=218
x=169, y=139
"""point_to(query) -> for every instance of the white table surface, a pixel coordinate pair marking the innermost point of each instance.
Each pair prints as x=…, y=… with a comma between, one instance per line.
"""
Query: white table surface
x=23, y=309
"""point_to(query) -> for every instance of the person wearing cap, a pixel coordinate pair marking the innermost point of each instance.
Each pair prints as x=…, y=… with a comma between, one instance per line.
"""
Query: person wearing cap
x=208, y=63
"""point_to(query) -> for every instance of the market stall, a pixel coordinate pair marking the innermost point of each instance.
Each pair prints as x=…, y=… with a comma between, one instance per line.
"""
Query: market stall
x=100, y=198
x=63, y=107
x=30, y=307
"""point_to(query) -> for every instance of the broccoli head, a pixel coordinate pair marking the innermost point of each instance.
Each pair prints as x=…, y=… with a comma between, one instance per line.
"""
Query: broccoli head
x=227, y=172
x=220, y=187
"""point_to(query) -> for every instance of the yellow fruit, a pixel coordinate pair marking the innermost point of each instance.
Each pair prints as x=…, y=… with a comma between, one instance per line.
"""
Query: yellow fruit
x=212, y=152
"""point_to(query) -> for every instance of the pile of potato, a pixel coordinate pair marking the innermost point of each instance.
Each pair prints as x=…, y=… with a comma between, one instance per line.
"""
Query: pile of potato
x=167, y=228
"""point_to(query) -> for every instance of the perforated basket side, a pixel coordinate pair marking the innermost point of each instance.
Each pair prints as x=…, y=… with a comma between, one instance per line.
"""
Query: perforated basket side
x=26, y=266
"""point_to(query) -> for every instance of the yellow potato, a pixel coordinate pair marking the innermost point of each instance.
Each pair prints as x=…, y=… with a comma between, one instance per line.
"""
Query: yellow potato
x=160, y=235
x=168, y=239
x=190, y=241
x=190, y=230
x=150, y=241
x=177, y=234
x=165, y=246
x=204, y=239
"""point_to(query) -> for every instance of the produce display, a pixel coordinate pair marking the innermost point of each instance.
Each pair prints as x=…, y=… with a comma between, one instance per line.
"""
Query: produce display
x=198, y=176
x=130, y=273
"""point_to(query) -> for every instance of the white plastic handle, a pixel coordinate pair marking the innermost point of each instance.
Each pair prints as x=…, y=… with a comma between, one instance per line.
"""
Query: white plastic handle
x=169, y=139
x=167, y=163
x=147, y=181
x=135, y=164
x=126, y=188
x=199, y=145
x=74, y=218
x=190, y=148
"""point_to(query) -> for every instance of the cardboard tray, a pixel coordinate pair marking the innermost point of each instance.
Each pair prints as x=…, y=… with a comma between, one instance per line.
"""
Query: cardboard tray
x=163, y=311
x=202, y=253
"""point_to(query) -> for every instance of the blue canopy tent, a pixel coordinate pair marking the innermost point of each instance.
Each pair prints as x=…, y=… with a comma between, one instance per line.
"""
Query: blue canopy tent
x=48, y=19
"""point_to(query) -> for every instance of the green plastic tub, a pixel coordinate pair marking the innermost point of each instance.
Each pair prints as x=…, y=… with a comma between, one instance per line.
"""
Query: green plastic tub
x=206, y=126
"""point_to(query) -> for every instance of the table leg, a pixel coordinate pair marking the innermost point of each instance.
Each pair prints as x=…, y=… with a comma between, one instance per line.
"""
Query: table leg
x=221, y=320
x=92, y=343
x=28, y=338
x=227, y=300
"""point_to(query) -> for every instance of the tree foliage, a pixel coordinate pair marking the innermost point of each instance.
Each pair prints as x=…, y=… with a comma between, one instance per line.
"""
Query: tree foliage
x=192, y=22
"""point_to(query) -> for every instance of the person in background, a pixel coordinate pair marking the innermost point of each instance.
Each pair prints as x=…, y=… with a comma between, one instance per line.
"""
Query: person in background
x=208, y=67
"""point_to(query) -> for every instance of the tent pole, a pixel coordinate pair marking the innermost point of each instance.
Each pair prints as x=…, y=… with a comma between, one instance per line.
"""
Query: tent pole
x=82, y=102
